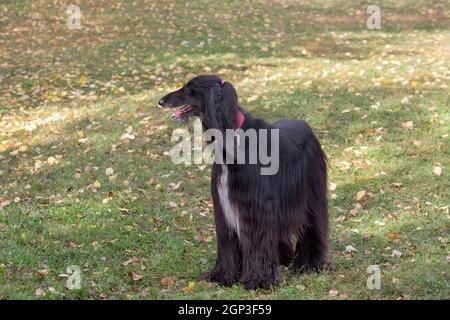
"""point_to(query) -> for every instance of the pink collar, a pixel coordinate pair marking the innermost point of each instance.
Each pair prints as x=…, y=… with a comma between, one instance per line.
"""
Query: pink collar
x=239, y=119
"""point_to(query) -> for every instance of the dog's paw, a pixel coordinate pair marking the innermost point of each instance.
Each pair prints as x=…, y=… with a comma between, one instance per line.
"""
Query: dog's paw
x=218, y=277
x=255, y=283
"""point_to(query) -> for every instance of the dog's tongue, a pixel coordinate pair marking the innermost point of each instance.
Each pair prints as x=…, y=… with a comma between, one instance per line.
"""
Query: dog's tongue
x=177, y=113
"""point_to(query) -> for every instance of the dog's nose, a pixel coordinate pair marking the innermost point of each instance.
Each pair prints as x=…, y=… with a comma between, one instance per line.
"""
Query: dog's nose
x=161, y=102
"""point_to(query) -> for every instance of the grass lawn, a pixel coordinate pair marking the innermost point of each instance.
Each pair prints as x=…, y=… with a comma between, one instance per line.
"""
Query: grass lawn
x=85, y=176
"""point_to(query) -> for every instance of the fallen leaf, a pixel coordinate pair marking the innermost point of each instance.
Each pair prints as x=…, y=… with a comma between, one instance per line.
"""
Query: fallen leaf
x=172, y=204
x=109, y=171
x=134, y=276
x=392, y=236
x=407, y=125
x=83, y=79
x=130, y=261
x=51, y=161
x=333, y=293
x=363, y=196
x=144, y=293
x=167, y=282
x=360, y=195
x=437, y=171
x=300, y=287
x=396, y=253
x=42, y=272
x=350, y=249
x=39, y=292
x=332, y=186
x=97, y=184
x=69, y=244
x=4, y=204
x=189, y=288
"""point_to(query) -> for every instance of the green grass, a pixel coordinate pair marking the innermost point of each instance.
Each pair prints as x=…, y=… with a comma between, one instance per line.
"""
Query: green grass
x=378, y=100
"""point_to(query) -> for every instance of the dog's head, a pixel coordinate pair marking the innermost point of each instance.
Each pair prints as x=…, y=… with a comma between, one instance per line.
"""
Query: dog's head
x=208, y=97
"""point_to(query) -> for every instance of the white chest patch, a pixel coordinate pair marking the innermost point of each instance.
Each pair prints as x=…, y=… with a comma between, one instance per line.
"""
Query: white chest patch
x=231, y=214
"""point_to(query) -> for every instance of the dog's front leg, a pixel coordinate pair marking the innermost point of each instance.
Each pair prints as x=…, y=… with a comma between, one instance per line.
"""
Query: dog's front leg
x=260, y=259
x=228, y=262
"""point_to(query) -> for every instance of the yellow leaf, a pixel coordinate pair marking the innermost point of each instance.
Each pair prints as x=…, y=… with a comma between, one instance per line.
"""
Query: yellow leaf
x=51, y=160
x=83, y=79
x=97, y=184
x=189, y=288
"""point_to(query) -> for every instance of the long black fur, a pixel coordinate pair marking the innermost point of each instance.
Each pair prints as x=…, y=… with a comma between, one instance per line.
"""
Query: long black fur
x=283, y=217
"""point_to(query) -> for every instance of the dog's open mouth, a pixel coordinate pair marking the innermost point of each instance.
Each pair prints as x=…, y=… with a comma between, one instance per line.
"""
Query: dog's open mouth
x=183, y=112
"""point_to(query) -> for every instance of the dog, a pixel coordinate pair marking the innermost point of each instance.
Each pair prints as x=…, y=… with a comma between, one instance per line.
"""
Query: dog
x=262, y=221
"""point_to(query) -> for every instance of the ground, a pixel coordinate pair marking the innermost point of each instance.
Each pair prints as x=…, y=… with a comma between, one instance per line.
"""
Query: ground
x=85, y=176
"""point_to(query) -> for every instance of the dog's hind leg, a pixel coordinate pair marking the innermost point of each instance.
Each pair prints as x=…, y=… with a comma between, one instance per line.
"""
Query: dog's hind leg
x=312, y=244
x=286, y=252
x=311, y=251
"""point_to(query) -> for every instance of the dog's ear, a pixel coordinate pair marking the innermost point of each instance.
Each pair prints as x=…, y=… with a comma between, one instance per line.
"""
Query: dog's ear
x=221, y=106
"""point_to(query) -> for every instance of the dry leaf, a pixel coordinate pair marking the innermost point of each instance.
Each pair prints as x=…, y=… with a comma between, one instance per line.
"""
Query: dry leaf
x=189, y=288
x=392, y=236
x=333, y=293
x=134, y=276
x=130, y=261
x=360, y=195
x=97, y=184
x=69, y=244
x=407, y=125
x=144, y=293
x=437, y=171
x=42, y=272
x=396, y=253
x=363, y=196
x=39, y=292
x=167, y=282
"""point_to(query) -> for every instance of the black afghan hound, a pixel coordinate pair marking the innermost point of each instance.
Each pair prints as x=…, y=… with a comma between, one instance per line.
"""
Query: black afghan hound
x=262, y=221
